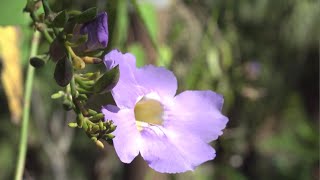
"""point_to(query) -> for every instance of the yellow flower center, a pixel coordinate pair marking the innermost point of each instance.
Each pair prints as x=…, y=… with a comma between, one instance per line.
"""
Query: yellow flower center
x=148, y=111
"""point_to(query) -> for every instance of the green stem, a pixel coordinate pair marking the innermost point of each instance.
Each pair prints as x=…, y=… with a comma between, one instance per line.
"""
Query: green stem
x=44, y=32
x=46, y=7
x=48, y=13
x=26, y=110
x=78, y=104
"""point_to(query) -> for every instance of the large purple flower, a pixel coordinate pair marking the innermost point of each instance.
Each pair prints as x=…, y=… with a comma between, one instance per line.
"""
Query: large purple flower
x=97, y=31
x=170, y=132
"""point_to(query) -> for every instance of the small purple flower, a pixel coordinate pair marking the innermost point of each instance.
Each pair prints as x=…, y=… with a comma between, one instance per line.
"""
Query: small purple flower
x=97, y=31
x=170, y=132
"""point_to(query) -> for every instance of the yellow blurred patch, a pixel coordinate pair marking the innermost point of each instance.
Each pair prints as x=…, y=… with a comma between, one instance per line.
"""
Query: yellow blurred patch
x=11, y=74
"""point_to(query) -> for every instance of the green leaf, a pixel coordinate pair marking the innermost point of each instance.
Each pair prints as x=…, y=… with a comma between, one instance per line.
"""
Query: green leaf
x=147, y=14
x=137, y=50
x=121, y=24
x=107, y=81
x=165, y=56
x=63, y=72
x=61, y=19
x=86, y=16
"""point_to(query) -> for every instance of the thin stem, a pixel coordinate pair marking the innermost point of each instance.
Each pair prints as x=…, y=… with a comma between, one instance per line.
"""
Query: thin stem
x=78, y=104
x=79, y=108
x=48, y=12
x=43, y=31
x=46, y=34
x=26, y=110
x=71, y=52
x=77, y=62
x=46, y=7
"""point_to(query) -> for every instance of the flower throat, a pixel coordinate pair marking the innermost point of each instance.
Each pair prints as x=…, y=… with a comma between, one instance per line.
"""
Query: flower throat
x=148, y=111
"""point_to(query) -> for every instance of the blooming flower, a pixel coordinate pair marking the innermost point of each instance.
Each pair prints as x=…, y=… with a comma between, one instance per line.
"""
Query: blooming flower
x=170, y=132
x=97, y=31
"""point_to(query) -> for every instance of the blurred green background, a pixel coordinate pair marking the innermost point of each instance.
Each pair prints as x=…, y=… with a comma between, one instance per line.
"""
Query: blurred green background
x=262, y=55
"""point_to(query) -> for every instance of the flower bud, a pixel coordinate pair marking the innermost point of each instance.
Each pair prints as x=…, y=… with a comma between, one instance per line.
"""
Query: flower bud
x=57, y=95
x=73, y=125
x=92, y=112
x=108, y=136
x=97, y=31
x=91, y=60
x=67, y=105
x=96, y=117
x=99, y=144
x=80, y=120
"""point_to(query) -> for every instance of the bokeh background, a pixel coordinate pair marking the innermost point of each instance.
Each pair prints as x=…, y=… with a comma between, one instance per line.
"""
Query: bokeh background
x=262, y=55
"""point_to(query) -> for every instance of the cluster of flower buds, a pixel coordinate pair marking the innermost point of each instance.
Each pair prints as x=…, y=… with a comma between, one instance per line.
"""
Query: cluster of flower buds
x=92, y=122
x=76, y=39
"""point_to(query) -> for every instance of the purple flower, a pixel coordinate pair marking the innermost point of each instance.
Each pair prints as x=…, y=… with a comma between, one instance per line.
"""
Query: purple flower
x=97, y=31
x=170, y=132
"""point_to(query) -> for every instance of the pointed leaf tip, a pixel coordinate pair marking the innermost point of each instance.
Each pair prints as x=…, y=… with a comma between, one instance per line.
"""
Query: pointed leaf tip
x=61, y=19
x=108, y=81
x=86, y=15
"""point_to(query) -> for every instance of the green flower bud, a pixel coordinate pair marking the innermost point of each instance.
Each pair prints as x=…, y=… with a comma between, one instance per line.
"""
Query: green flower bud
x=80, y=120
x=96, y=117
x=57, y=95
x=67, y=105
x=73, y=125
x=92, y=112
x=109, y=136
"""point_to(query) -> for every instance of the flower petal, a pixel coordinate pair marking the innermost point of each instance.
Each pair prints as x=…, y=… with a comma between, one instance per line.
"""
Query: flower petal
x=127, y=137
x=116, y=57
x=169, y=152
x=197, y=112
x=97, y=31
x=103, y=33
x=126, y=92
x=194, y=150
x=157, y=79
